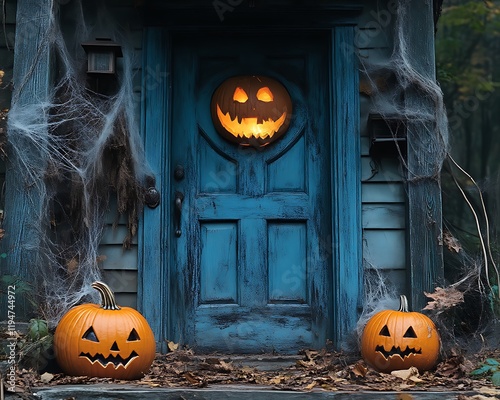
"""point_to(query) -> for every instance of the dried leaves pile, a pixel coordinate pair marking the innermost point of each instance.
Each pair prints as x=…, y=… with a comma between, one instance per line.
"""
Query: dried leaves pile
x=311, y=370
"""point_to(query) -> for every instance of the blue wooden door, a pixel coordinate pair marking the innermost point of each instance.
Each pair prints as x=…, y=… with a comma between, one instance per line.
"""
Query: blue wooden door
x=251, y=265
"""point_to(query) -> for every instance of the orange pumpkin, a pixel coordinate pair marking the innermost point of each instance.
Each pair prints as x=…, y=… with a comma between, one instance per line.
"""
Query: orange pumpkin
x=251, y=110
x=104, y=341
x=400, y=339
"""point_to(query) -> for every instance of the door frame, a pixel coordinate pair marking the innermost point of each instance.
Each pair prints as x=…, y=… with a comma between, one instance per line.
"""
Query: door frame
x=155, y=234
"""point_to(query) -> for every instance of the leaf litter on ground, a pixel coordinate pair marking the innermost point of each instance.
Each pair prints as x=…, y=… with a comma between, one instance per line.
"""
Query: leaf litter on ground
x=310, y=370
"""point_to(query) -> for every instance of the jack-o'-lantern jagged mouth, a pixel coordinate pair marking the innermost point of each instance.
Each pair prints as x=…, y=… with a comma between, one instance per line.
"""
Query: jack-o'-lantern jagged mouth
x=250, y=127
x=115, y=360
x=396, y=351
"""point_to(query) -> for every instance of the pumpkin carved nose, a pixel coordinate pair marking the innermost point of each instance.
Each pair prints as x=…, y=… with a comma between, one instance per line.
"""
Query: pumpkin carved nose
x=114, y=347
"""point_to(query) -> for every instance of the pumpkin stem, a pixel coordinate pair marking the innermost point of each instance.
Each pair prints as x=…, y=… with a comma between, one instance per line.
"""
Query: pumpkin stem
x=107, y=296
x=403, y=303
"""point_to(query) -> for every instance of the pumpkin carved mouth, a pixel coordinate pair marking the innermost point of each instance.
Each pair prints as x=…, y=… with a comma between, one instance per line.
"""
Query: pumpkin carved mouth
x=115, y=360
x=397, y=351
x=250, y=126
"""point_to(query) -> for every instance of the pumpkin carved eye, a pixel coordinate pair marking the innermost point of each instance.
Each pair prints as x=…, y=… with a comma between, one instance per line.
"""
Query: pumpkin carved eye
x=240, y=95
x=90, y=335
x=264, y=94
x=134, y=336
x=385, y=331
x=410, y=333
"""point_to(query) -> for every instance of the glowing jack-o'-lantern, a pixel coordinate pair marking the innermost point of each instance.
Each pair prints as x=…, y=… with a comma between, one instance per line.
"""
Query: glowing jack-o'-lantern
x=394, y=340
x=251, y=110
x=104, y=341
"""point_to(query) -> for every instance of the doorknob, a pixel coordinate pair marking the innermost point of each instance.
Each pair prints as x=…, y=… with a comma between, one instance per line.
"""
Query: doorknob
x=179, y=197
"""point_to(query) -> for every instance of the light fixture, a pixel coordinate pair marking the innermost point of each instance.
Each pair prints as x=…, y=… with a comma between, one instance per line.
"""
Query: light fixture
x=387, y=136
x=101, y=55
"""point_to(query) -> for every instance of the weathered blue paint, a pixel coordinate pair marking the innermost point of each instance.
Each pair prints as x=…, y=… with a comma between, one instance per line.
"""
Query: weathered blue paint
x=32, y=83
x=248, y=265
x=270, y=252
x=153, y=262
x=346, y=183
x=425, y=249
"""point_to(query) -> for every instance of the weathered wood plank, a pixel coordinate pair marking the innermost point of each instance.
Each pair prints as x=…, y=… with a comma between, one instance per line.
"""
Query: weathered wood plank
x=154, y=248
x=116, y=257
x=121, y=281
x=383, y=170
x=384, y=216
x=425, y=255
x=115, y=235
x=381, y=192
x=126, y=299
x=346, y=183
x=384, y=249
x=23, y=196
x=393, y=280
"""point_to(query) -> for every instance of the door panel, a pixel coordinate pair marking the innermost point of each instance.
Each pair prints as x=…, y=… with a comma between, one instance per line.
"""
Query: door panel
x=249, y=273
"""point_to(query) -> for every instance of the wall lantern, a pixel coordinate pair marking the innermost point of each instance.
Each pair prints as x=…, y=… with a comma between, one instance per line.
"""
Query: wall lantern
x=387, y=136
x=251, y=110
x=101, y=55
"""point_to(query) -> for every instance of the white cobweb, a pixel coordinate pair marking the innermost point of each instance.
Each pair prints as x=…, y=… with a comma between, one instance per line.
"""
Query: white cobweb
x=89, y=149
x=467, y=289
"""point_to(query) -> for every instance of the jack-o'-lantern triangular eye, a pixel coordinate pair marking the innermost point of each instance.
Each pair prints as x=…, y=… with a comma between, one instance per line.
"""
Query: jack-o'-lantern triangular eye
x=134, y=336
x=264, y=94
x=240, y=95
x=385, y=331
x=410, y=333
x=90, y=335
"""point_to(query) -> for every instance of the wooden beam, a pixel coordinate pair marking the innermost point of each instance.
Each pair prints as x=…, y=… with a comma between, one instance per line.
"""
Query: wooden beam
x=425, y=151
x=24, y=203
x=346, y=178
x=154, y=251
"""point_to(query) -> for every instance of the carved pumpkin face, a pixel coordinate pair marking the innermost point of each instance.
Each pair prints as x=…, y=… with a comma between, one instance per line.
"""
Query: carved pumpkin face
x=251, y=110
x=394, y=340
x=104, y=341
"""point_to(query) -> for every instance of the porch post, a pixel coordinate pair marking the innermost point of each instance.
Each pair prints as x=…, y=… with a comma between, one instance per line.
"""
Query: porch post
x=425, y=152
x=346, y=186
x=23, y=196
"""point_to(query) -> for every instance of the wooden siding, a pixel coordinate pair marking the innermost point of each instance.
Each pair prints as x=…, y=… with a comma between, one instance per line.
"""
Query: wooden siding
x=382, y=191
x=7, y=51
x=6, y=65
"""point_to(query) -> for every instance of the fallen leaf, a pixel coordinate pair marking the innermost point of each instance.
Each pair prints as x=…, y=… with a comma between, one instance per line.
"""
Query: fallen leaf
x=359, y=370
x=311, y=385
x=46, y=377
x=444, y=298
x=451, y=242
x=405, y=374
x=172, y=346
x=277, y=380
x=489, y=390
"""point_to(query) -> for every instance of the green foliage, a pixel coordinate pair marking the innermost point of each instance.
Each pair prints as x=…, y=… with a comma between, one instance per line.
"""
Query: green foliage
x=36, y=348
x=490, y=367
x=466, y=33
x=22, y=287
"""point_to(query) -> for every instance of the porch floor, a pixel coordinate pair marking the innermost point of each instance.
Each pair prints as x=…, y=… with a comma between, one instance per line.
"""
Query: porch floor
x=228, y=392
x=183, y=375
